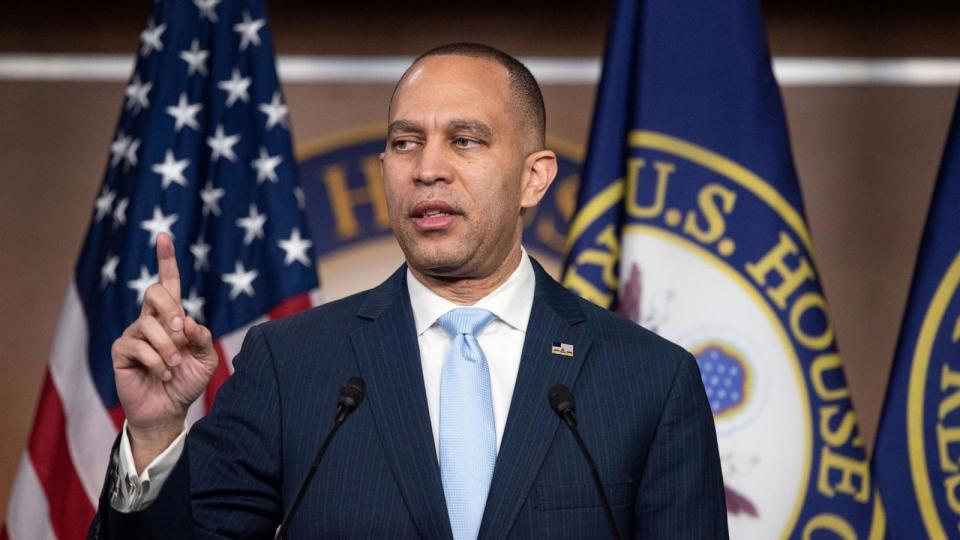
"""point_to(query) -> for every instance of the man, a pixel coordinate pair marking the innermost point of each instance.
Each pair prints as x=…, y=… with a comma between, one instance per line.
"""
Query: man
x=456, y=437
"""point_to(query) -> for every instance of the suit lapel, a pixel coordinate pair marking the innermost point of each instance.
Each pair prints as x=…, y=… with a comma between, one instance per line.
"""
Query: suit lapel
x=556, y=317
x=389, y=361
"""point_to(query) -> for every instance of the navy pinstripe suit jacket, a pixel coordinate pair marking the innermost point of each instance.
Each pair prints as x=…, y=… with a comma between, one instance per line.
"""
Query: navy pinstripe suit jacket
x=640, y=403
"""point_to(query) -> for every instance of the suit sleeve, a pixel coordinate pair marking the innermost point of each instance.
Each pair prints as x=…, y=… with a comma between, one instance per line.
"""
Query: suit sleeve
x=226, y=483
x=681, y=492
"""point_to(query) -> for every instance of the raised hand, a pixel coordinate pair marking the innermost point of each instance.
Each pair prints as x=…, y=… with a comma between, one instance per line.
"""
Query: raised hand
x=162, y=363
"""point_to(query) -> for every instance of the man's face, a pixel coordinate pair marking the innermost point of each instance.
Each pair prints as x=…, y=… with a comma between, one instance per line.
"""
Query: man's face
x=455, y=168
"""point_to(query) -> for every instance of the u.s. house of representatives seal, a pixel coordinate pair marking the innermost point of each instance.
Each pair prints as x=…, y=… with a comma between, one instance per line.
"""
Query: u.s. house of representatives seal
x=933, y=400
x=712, y=256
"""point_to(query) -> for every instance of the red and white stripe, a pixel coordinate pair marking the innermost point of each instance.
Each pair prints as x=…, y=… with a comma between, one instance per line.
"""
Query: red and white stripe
x=62, y=470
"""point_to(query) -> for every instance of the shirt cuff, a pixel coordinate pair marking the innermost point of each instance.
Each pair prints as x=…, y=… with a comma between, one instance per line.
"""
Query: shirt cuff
x=132, y=493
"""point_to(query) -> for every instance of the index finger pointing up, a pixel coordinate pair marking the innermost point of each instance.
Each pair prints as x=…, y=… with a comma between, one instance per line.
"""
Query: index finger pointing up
x=167, y=265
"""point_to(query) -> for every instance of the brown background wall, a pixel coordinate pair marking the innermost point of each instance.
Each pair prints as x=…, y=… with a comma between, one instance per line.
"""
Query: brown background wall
x=867, y=156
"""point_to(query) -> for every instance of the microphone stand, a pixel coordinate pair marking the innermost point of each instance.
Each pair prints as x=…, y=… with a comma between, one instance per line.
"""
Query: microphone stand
x=351, y=395
x=561, y=401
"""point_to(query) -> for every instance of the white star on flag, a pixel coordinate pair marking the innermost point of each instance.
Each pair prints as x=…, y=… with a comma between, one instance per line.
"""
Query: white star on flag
x=171, y=170
x=108, y=273
x=208, y=9
x=104, y=203
x=211, y=198
x=130, y=155
x=185, y=113
x=252, y=225
x=236, y=86
x=241, y=281
x=266, y=166
x=248, y=30
x=194, y=305
x=196, y=58
x=200, y=252
x=295, y=248
x=222, y=145
x=159, y=223
x=120, y=213
x=150, y=38
x=136, y=92
x=118, y=148
x=276, y=111
x=142, y=283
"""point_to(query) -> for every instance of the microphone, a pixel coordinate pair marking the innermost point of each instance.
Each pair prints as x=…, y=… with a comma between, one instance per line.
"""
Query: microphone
x=350, y=397
x=562, y=403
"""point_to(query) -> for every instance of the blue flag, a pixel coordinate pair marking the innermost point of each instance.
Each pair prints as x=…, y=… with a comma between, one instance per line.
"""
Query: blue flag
x=203, y=152
x=917, y=458
x=690, y=222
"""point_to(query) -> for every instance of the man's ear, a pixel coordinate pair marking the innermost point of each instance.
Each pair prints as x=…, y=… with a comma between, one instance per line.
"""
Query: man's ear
x=540, y=168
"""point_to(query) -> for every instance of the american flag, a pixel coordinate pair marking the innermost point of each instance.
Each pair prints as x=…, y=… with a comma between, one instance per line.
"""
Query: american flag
x=202, y=151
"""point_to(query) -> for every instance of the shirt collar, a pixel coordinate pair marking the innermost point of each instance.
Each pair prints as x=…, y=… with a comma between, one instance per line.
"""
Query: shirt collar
x=511, y=302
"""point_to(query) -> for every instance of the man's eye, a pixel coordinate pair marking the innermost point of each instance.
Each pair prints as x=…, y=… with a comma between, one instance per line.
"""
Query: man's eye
x=402, y=145
x=463, y=142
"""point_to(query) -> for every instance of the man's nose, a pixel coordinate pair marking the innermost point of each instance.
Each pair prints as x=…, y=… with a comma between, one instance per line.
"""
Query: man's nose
x=433, y=165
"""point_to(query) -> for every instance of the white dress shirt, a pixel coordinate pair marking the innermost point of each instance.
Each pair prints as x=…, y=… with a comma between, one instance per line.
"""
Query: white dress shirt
x=131, y=492
x=501, y=341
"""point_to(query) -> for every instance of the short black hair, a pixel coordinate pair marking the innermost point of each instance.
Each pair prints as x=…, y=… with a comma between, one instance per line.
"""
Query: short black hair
x=524, y=89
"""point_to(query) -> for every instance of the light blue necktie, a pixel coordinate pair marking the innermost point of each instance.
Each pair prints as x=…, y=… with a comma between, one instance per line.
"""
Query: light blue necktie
x=468, y=435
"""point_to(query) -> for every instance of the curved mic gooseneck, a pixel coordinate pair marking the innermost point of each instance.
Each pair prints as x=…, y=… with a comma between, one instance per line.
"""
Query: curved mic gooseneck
x=350, y=397
x=562, y=403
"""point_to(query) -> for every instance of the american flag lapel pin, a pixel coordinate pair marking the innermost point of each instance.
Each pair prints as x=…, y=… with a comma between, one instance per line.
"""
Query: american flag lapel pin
x=562, y=349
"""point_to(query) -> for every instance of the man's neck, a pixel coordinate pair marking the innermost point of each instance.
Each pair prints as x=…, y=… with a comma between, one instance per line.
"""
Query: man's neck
x=468, y=291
